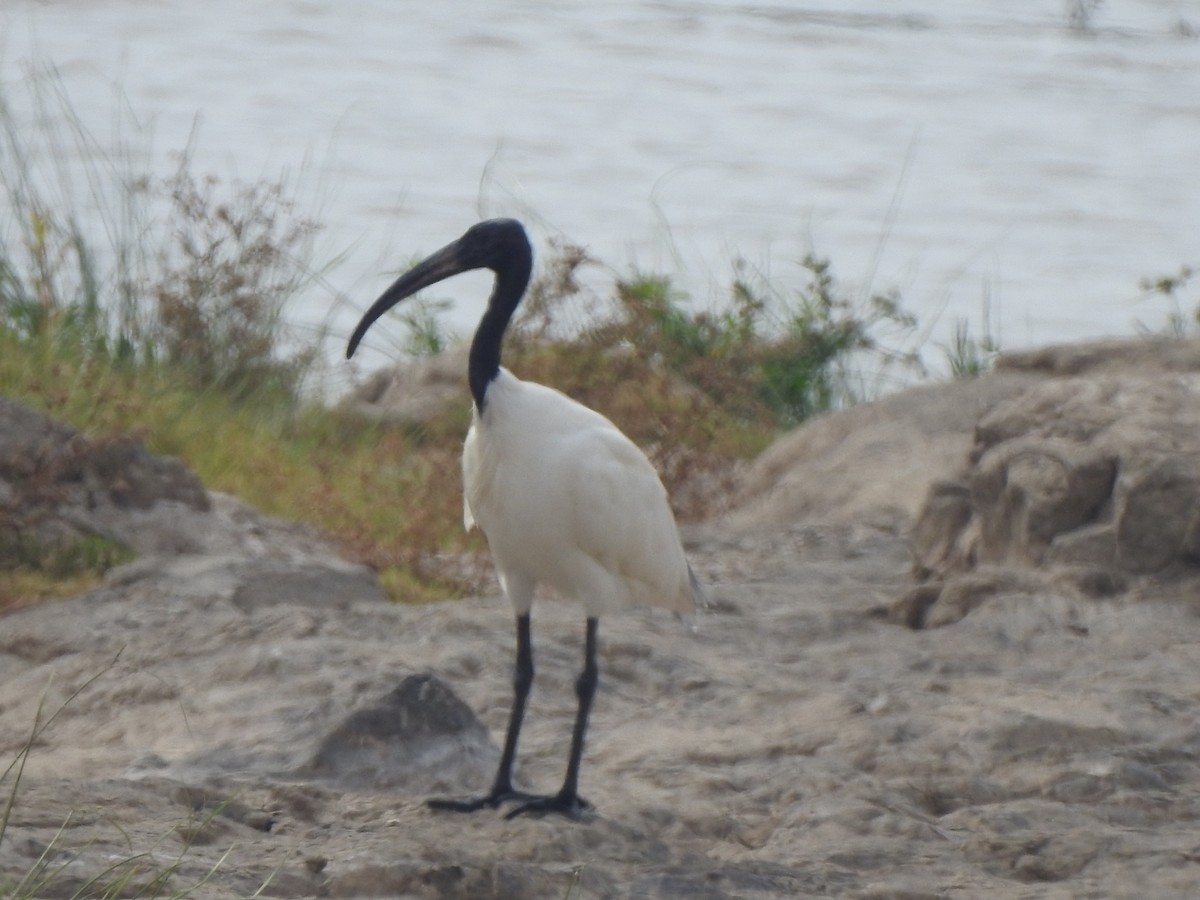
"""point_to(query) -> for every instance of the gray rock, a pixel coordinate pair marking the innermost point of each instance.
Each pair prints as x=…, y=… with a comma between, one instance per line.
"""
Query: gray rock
x=58, y=486
x=1093, y=472
x=415, y=391
x=1033, y=490
x=420, y=737
x=306, y=584
x=1157, y=512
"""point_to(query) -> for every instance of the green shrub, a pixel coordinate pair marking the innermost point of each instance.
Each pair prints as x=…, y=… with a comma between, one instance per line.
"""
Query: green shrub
x=765, y=358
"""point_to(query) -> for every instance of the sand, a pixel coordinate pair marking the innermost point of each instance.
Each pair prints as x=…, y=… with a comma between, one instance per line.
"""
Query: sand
x=795, y=739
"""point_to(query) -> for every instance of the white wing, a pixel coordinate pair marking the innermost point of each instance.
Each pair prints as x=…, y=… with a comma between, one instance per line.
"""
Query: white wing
x=566, y=499
x=621, y=518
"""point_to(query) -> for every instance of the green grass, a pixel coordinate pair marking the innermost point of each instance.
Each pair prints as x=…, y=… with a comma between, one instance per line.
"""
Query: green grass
x=968, y=356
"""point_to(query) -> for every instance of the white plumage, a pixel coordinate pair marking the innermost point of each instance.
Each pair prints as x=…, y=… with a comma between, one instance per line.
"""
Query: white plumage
x=566, y=500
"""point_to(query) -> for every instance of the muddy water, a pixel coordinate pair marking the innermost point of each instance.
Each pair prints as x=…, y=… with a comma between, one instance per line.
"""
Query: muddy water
x=966, y=154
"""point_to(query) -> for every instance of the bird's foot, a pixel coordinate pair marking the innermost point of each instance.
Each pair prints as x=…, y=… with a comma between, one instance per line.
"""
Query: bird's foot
x=474, y=804
x=570, y=805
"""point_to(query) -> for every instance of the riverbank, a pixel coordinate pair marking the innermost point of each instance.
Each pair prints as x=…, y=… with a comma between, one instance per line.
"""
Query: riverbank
x=799, y=738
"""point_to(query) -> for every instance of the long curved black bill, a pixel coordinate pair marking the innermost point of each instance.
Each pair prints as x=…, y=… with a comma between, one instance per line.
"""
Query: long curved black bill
x=438, y=267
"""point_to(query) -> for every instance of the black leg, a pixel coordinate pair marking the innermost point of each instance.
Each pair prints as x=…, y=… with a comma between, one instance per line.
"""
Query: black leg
x=567, y=801
x=502, y=788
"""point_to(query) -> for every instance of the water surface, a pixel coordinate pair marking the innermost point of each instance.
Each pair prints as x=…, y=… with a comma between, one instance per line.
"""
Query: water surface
x=955, y=151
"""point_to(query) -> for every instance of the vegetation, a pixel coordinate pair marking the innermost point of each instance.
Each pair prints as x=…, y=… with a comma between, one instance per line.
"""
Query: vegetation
x=968, y=356
x=31, y=569
x=1174, y=287
x=164, y=316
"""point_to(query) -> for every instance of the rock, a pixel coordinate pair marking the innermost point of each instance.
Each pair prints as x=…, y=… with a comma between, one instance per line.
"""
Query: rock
x=305, y=583
x=414, y=391
x=1156, y=514
x=1027, y=491
x=1088, y=545
x=31, y=442
x=912, y=607
x=58, y=486
x=420, y=737
x=49, y=462
x=874, y=461
x=959, y=596
x=938, y=529
x=131, y=477
x=1115, y=356
x=1094, y=472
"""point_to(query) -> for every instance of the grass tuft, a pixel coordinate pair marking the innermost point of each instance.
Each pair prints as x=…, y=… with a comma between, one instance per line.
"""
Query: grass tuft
x=1173, y=288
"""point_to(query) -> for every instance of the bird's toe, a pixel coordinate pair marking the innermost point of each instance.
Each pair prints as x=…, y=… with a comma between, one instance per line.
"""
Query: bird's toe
x=474, y=804
x=572, y=806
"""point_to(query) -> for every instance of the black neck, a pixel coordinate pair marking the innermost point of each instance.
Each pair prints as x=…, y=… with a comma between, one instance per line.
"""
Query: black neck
x=484, y=366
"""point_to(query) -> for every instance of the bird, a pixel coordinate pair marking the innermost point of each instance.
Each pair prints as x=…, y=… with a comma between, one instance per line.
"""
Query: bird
x=562, y=496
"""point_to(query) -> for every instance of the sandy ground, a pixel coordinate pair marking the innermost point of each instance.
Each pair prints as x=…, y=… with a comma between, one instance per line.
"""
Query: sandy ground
x=790, y=741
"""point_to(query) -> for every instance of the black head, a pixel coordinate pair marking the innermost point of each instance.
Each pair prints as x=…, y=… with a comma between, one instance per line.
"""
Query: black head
x=497, y=244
